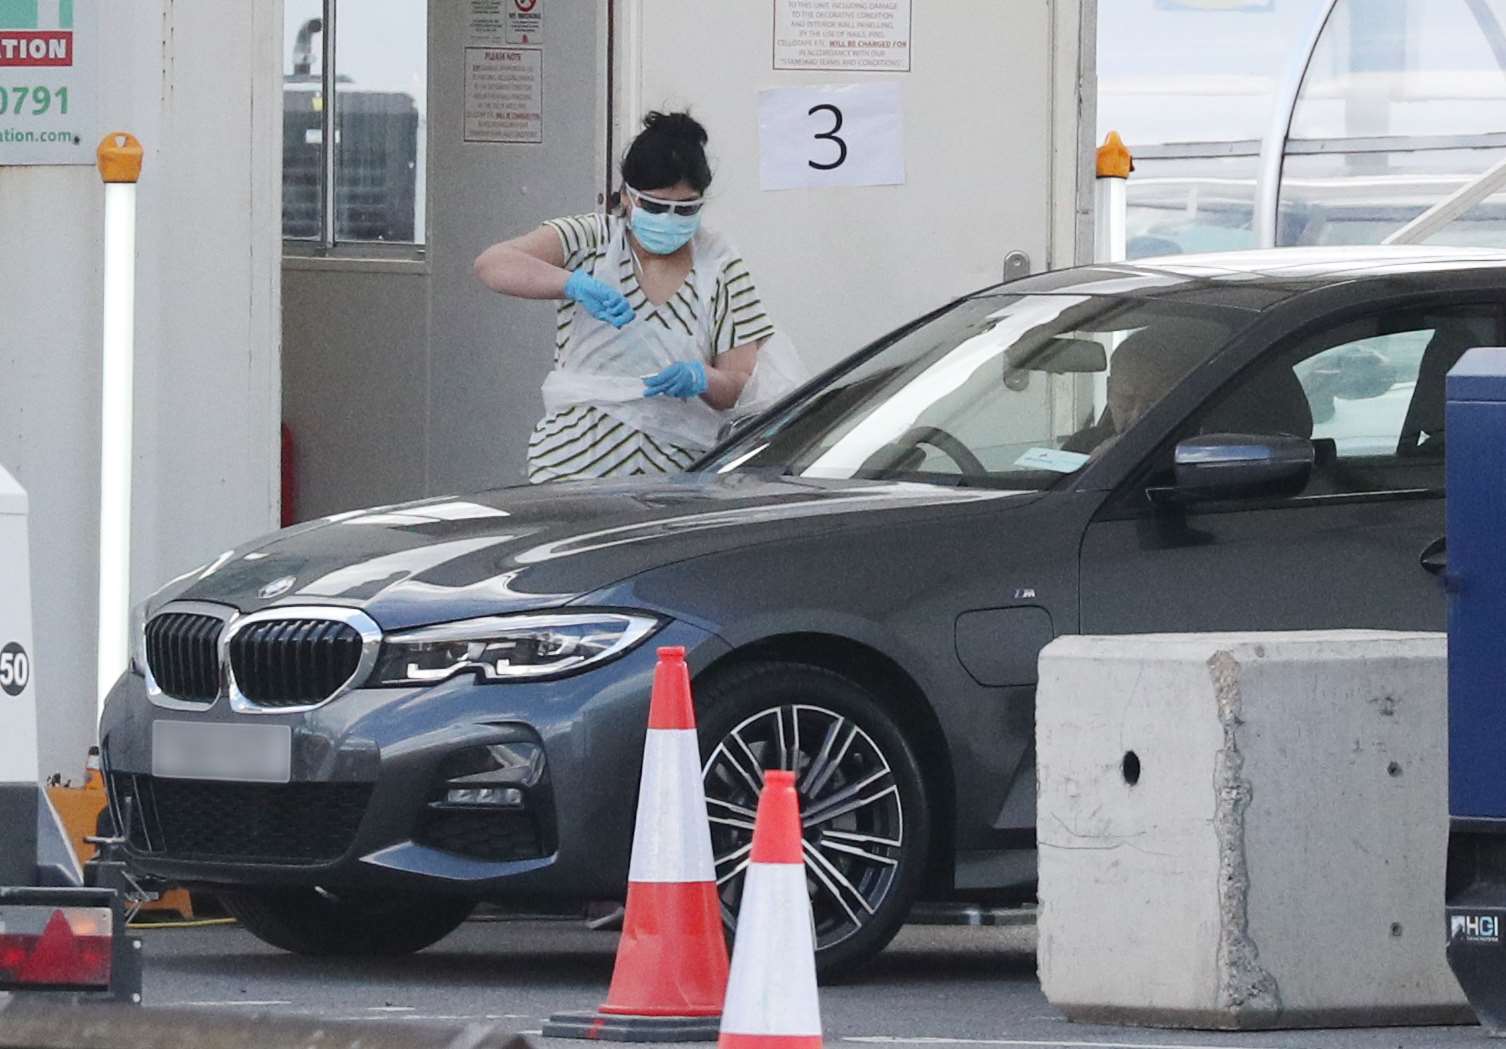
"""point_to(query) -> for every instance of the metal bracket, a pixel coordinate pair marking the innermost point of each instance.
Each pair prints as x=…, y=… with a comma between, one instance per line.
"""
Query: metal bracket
x=1016, y=265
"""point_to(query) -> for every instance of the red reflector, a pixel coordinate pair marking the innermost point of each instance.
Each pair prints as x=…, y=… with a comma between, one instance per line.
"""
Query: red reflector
x=72, y=952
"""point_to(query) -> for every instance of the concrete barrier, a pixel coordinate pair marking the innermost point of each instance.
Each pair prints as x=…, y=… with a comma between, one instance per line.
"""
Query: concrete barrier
x=1244, y=831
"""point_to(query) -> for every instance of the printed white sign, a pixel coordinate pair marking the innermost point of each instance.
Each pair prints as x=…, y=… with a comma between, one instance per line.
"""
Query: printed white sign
x=504, y=94
x=486, y=22
x=525, y=22
x=840, y=135
x=49, y=81
x=845, y=35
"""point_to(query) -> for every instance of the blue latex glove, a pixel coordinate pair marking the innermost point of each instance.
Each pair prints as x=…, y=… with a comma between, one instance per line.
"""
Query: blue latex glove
x=682, y=379
x=601, y=301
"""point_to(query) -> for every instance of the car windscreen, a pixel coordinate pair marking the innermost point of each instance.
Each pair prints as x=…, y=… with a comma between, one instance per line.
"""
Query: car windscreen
x=1000, y=390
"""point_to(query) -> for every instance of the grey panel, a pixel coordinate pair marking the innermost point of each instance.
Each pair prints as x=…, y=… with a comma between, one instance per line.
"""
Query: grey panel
x=999, y=646
x=355, y=381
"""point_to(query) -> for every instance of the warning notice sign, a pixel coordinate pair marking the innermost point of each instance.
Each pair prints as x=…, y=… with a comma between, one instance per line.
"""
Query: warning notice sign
x=49, y=80
x=504, y=94
x=846, y=35
x=525, y=22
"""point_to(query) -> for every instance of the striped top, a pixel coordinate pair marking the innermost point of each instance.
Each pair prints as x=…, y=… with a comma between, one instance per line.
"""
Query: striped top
x=718, y=305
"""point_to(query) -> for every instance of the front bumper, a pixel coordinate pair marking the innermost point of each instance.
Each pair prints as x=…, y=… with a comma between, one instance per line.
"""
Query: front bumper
x=365, y=769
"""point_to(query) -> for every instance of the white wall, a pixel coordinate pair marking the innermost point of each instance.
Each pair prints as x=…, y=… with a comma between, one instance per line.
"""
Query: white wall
x=993, y=157
x=198, y=83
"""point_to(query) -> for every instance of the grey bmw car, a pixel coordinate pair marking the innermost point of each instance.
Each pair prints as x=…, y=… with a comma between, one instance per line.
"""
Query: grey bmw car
x=355, y=729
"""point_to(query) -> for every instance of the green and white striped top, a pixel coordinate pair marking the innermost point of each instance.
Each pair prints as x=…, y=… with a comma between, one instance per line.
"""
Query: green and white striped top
x=718, y=305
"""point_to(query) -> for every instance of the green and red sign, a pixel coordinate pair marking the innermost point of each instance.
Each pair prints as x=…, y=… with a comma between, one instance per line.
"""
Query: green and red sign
x=48, y=81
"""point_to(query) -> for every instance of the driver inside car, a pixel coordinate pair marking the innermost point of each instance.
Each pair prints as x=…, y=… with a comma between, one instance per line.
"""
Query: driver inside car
x=1141, y=373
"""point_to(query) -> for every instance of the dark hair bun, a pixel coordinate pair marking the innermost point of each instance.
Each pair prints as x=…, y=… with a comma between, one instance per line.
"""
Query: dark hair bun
x=669, y=150
x=681, y=126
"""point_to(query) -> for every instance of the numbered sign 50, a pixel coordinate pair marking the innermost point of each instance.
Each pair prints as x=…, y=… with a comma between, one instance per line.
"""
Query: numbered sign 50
x=837, y=135
x=15, y=669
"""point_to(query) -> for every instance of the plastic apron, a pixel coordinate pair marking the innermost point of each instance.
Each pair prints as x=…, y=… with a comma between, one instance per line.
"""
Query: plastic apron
x=604, y=367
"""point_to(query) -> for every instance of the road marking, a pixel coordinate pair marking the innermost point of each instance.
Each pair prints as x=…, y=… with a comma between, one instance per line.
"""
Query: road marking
x=1029, y=1043
x=213, y=1005
x=390, y=1008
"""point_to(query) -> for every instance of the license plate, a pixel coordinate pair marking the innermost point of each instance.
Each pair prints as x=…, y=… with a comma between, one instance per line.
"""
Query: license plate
x=234, y=753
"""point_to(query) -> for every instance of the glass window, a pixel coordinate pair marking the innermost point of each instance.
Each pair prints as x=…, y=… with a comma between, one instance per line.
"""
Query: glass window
x=377, y=101
x=1362, y=198
x=1185, y=205
x=1369, y=394
x=1406, y=67
x=1194, y=70
x=1001, y=390
x=302, y=105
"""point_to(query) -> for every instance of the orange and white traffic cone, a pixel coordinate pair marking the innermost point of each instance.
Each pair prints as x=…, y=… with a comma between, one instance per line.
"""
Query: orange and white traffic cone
x=771, y=995
x=671, y=971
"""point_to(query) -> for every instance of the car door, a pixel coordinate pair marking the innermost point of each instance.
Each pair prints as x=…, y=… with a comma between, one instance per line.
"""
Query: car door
x=1356, y=548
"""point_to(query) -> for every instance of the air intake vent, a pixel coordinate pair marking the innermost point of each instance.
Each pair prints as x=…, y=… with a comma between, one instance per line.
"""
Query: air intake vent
x=291, y=824
x=293, y=662
x=182, y=651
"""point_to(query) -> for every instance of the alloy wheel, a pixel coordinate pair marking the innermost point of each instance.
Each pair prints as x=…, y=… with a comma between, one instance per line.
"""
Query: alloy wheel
x=849, y=807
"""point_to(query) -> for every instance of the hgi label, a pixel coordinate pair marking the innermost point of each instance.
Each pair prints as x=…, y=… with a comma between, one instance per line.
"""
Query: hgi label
x=1475, y=928
x=15, y=669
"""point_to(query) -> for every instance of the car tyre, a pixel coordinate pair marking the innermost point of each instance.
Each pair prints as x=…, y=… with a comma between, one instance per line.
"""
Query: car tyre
x=319, y=922
x=864, y=867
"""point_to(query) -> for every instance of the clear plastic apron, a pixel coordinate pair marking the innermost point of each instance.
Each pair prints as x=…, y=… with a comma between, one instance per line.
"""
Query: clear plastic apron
x=604, y=367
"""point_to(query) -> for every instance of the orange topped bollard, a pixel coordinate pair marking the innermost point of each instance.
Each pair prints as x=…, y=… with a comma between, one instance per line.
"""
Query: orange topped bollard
x=1115, y=162
x=1114, y=158
x=120, y=156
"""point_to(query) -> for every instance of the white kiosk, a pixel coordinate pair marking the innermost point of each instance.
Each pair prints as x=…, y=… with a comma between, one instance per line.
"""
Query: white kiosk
x=56, y=934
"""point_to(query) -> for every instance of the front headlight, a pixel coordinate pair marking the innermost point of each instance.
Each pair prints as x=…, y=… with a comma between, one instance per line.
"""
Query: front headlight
x=509, y=648
x=138, y=639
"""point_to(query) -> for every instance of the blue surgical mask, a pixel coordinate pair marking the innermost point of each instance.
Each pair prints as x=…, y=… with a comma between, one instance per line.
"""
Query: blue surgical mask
x=664, y=234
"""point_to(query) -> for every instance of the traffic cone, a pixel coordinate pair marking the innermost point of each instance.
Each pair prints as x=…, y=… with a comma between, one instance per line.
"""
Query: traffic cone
x=771, y=995
x=671, y=971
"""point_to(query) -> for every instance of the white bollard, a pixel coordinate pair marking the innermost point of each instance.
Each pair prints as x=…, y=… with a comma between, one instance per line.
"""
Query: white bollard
x=120, y=166
x=1244, y=831
x=1110, y=236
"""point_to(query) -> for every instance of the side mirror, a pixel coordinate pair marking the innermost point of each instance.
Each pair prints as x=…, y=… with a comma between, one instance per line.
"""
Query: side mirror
x=1227, y=465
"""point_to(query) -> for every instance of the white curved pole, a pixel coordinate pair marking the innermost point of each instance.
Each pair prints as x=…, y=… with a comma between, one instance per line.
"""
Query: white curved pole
x=1273, y=146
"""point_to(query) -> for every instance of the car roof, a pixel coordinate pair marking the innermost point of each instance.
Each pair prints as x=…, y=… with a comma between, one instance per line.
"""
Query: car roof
x=1257, y=280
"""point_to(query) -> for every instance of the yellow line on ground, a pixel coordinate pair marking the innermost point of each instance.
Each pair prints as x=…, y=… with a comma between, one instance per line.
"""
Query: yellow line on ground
x=198, y=924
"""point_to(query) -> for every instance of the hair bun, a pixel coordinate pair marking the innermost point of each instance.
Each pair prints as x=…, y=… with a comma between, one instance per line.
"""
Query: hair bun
x=675, y=125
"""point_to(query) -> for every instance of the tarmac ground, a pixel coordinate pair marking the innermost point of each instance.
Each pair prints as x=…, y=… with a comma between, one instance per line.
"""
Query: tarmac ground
x=936, y=986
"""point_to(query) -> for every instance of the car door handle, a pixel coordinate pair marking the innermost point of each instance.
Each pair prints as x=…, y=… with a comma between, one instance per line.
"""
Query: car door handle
x=1434, y=556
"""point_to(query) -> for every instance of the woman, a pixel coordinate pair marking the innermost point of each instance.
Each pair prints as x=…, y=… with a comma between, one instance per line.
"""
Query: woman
x=659, y=323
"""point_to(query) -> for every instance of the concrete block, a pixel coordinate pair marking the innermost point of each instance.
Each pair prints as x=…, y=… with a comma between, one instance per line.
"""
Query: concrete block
x=1245, y=831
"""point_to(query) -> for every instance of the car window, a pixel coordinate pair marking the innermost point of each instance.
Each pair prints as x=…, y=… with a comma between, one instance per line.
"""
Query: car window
x=1368, y=393
x=1000, y=390
x=1360, y=390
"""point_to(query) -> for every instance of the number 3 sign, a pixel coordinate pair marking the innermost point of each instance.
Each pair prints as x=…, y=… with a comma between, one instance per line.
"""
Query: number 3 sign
x=842, y=135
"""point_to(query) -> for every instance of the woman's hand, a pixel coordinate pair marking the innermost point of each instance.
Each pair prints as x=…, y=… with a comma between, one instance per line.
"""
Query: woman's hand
x=602, y=302
x=683, y=379
x=719, y=386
